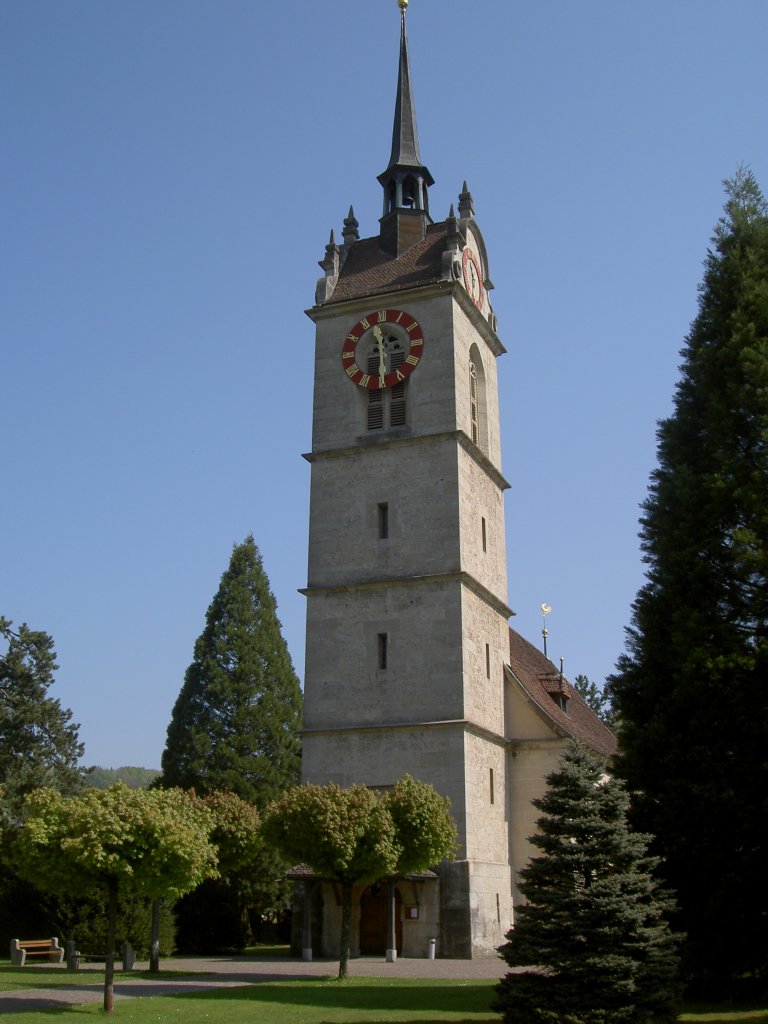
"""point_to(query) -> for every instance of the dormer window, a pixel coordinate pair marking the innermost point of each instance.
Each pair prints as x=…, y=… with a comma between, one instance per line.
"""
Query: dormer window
x=559, y=689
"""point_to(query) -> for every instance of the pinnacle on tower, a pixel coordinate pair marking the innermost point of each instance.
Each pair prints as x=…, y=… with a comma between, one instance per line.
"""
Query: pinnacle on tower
x=350, y=233
x=466, y=203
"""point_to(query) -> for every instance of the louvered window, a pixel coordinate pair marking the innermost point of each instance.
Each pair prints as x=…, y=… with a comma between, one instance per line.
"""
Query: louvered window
x=397, y=398
x=473, y=402
x=386, y=406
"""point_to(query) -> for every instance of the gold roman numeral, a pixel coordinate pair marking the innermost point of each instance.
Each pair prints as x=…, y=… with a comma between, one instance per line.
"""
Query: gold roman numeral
x=352, y=369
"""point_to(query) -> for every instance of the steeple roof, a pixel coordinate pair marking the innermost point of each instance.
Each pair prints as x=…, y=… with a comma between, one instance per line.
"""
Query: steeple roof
x=405, y=136
x=406, y=180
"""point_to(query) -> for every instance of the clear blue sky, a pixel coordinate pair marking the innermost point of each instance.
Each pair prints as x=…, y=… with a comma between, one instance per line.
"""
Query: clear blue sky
x=170, y=174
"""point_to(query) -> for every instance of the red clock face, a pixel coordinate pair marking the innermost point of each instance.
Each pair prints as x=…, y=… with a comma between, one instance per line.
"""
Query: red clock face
x=382, y=349
x=473, y=279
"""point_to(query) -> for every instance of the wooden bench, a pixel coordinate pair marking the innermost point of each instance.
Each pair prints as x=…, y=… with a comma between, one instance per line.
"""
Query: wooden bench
x=76, y=957
x=22, y=948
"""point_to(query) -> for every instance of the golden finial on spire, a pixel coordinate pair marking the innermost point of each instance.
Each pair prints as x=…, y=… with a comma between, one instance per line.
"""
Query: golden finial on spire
x=402, y=4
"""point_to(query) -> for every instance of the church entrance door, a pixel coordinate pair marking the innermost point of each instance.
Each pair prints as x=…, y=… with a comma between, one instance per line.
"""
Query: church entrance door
x=373, y=921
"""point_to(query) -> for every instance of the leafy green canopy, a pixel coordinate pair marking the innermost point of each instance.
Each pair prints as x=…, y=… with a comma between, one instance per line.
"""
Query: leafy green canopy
x=356, y=836
x=235, y=725
x=213, y=919
x=425, y=832
x=38, y=741
x=690, y=692
x=343, y=834
x=119, y=842
x=594, y=923
x=152, y=842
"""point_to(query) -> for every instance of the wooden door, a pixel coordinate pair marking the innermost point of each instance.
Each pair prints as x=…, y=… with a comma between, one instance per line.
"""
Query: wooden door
x=373, y=921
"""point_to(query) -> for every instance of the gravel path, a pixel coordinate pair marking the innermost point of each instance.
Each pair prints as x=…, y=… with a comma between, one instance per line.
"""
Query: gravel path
x=230, y=972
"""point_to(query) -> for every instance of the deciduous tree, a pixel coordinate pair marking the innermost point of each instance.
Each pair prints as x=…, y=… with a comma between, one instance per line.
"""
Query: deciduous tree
x=117, y=841
x=213, y=918
x=355, y=836
x=425, y=832
x=690, y=691
x=592, y=934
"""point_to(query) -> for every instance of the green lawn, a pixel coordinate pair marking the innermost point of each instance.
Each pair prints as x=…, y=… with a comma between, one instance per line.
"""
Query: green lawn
x=310, y=1001
x=314, y=1001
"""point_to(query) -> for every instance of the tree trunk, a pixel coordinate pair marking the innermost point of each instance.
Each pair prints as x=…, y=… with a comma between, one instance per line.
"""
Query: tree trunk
x=346, y=917
x=109, y=969
x=154, y=946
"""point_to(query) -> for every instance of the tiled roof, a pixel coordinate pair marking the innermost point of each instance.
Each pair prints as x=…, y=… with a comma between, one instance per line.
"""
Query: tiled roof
x=301, y=873
x=540, y=679
x=368, y=270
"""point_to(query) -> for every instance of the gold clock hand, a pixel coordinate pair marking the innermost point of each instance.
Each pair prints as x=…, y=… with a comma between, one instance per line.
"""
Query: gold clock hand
x=382, y=363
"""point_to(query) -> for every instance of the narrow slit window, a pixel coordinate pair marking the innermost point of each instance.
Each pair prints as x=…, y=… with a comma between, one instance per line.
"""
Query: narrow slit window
x=487, y=661
x=484, y=532
x=475, y=424
x=383, y=651
x=491, y=790
x=383, y=520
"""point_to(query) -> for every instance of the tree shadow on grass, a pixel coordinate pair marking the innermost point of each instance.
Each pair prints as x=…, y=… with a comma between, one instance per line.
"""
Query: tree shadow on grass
x=423, y=1003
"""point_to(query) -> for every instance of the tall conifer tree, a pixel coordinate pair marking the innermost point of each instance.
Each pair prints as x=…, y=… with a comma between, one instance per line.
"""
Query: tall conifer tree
x=592, y=938
x=235, y=728
x=235, y=724
x=39, y=745
x=690, y=693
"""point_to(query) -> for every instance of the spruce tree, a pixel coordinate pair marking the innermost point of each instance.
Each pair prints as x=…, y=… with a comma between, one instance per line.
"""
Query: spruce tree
x=592, y=938
x=235, y=725
x=690, y=692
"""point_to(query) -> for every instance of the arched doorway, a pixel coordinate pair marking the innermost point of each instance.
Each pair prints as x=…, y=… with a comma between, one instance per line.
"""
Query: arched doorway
x=373, y=920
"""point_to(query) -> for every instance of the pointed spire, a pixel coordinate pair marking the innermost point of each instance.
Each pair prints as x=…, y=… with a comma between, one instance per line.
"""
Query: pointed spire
x=406, y=180
x=405, y=137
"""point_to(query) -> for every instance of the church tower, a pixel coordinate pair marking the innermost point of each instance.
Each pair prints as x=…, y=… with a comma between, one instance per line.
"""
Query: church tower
x=407, y=632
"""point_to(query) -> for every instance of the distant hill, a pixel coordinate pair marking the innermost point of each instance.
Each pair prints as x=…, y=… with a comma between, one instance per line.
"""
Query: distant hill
x=134, y=778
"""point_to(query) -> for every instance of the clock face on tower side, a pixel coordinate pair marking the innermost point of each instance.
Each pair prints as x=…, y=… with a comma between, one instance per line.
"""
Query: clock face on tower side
x=382, y=349
x=473, y=280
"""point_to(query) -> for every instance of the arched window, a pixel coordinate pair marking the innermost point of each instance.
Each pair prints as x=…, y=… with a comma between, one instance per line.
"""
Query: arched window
x=473, y=413
x=478, y=417
x=410, y=192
